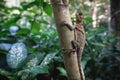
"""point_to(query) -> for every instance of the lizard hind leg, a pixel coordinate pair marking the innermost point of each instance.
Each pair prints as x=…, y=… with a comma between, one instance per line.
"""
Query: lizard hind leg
x=75, y=44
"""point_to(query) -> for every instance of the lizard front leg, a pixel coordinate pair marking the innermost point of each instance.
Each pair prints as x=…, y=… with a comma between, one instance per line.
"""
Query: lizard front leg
x=70, y=27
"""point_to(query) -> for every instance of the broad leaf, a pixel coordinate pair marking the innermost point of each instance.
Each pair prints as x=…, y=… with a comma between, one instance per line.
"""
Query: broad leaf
x=35, y=27
x=48, y=59
x=17, y=55
x=62, y=71
x=47, y=9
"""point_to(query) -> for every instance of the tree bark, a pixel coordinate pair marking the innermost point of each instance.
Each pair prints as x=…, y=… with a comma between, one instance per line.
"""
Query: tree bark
x=61, y=14
x=115, y=17
x=94, y=13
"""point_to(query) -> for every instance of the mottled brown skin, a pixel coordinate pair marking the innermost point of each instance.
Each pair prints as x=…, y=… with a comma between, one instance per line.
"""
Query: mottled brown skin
x=79, y=40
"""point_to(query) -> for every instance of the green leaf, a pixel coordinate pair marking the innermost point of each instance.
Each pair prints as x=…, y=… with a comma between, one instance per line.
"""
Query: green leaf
x=88, y=19
x=62, y=71
x=15, y=8
x=90, y=37
x=47, y=9
x=11, y=21
x=2, y=6
x=4, y=33
x=27, y=5
x=23, y=32
x=45, y=22
x=98, y=44
x=16, y=55
x=40, y=2
x=35, y=27
x=5, y=73
x=33, y=11
x=48, y=59
x=34, y=70
x=33, y=59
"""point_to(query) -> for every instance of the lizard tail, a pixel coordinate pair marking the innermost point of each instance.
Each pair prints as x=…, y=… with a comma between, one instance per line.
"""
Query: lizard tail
x=81, y=72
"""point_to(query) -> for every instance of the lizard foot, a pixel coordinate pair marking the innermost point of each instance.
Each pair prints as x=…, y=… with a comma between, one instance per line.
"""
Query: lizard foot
x=68, y=51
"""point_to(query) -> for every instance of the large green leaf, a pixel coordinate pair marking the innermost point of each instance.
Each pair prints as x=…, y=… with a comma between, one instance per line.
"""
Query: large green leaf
x=17, y=55
x=35, y=27
x=62, y=71
x=47, y=9
x=48, y=59
x=33, y=60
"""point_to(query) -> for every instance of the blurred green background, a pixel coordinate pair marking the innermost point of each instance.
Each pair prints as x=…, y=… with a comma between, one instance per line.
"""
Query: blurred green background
x=31, y=22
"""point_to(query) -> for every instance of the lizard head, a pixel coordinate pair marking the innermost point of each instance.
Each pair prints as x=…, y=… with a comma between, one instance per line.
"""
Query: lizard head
x=79, y=17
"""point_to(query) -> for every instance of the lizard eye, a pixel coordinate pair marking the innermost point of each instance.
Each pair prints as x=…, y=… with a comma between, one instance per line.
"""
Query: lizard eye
x=80, y=13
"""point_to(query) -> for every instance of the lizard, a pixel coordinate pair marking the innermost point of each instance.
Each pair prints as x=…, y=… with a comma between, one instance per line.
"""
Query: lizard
x=79, y=39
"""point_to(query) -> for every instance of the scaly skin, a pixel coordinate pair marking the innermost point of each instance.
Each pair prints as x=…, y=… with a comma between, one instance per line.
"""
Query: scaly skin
x=79, y=40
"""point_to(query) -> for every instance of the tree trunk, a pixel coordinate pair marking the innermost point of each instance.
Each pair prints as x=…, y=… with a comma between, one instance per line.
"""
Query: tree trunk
x=94, y=13
x=115, y=17
x=61, y=14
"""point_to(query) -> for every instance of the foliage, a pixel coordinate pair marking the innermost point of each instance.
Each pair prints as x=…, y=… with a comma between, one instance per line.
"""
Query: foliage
x=32, y=24
x=101, y=55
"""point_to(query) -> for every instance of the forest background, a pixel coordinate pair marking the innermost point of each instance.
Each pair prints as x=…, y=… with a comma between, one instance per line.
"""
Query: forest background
x=31, y=22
